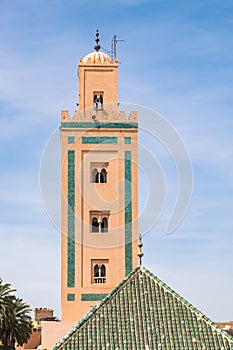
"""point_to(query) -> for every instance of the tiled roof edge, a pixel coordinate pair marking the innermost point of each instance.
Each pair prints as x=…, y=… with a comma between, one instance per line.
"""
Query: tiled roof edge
x=193, y=308
x=93, y=310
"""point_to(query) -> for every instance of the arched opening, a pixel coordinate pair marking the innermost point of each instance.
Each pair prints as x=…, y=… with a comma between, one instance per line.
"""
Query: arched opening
x=99, y=172
x=95, y=102
x=99, y=273
x=94, y=225
x=104, y=225
x=95, y=176
x=98, y=101
x=103, y=271
x=103, y=176
x=101, y=101
x=96, y=270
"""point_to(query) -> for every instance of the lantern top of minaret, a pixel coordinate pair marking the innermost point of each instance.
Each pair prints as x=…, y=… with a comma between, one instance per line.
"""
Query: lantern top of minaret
x=96, y=56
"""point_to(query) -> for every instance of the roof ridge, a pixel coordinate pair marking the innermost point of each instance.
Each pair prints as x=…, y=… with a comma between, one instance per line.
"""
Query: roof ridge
x=95, y=308
x=188, y=304
x=140, y=270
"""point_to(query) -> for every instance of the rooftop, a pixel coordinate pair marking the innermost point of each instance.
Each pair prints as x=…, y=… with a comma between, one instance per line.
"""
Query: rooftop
x=142, y=312
x=97, y=57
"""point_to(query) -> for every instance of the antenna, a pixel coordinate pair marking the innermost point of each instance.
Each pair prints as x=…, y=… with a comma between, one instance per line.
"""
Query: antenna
x=113, y=47
x=112, y=52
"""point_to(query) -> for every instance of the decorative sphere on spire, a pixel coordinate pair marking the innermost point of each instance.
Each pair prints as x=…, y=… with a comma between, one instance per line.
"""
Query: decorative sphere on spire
x=140, y=253
x=97, y=46
x=97, y=57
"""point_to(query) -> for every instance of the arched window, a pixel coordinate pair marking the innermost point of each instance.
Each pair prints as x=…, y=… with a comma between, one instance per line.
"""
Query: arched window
x=103, y=271
x=96, y=270
x=98, y=101
x=95, y=102
x=101, y=101
x=103, y=176
x=104, y=225
x=94, y=225
x=99, y=172
x=99, y=273
x=95, y=176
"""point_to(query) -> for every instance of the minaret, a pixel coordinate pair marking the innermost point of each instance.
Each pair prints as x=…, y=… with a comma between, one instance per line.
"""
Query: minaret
x=99, y=204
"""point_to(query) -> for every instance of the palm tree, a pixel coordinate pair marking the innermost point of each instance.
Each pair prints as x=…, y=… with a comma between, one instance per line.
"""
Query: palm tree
x=17, y=325
x=15, y=319
x=5, y=292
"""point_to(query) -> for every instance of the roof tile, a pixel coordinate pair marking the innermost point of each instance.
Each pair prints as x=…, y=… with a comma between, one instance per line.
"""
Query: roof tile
x=144, y=313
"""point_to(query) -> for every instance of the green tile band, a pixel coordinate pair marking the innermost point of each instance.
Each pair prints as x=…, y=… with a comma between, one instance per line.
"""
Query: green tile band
x=127, y=140
x=71, y=221
x=128, y=213
x=93, y=297
x=99, y=140
x=71, y=139
x=97, y=125
x=70, y=297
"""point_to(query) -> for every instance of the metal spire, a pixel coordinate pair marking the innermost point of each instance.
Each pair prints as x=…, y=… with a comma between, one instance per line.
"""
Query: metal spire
x=140, y=253
x=97, y=46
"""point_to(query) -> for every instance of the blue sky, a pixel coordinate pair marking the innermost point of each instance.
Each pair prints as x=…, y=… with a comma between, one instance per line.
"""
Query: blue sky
x=177, y=60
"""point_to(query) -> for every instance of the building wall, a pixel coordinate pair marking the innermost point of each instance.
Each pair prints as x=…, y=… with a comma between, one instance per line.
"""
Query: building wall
x=98, y=135
x=34, y=341
x=97, y=77
x=42, y=312
x=53, y=332
x=108, y=197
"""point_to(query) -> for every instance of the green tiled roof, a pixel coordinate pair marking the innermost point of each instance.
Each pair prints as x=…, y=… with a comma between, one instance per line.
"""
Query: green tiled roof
x=143, y=313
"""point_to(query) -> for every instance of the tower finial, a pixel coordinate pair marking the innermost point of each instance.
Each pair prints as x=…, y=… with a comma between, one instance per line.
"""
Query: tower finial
x=97, y=46
x=140, y=253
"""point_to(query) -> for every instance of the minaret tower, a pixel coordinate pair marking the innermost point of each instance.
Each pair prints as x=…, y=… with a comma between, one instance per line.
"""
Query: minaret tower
x=99, y=204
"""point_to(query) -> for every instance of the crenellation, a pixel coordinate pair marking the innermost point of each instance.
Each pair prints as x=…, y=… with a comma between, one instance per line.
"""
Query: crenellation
x=133, y=116
x=121, y=116
x=102, y=115
x=65, y=115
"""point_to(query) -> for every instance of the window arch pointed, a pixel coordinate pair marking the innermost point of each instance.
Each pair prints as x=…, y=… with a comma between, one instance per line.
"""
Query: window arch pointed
x=104, y=225
x=94, y=225
x=103, y=176
x=99, y=273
